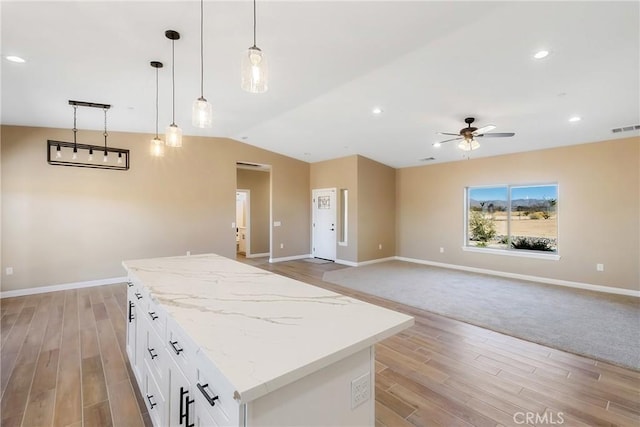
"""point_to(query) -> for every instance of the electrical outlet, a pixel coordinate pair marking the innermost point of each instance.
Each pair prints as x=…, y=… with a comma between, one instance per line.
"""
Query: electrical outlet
x=360, y=390
x=188, y=253
x=281, y=245
x=9, y=271
x=599, y=267
x=441, y=250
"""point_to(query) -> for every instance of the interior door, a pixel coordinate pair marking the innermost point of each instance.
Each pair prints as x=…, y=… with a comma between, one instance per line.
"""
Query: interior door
x=324, y=223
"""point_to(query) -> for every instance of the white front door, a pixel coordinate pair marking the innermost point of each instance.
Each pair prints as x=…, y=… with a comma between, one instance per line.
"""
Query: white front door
x=324, y=223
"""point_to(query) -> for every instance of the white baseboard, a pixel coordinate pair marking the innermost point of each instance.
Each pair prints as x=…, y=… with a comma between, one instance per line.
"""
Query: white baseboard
x=62, y=287
x=547, y=280
x=257, y=255
x=289, y=258
x=361, y=263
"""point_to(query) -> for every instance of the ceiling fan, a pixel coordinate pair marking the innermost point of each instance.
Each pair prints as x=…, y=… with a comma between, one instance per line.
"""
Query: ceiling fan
x=467, y=136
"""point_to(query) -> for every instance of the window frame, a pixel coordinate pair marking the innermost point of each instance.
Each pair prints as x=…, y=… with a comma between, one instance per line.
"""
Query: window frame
x=509, y=251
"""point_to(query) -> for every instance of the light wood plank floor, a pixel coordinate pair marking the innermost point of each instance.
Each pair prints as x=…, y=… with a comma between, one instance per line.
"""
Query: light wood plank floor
x=63, y=363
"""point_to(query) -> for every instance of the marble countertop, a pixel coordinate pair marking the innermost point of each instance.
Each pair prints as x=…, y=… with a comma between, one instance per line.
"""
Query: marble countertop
x=260, y=329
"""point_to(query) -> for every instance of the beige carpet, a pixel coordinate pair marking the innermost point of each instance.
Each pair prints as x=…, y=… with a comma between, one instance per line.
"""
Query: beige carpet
x=598, y=325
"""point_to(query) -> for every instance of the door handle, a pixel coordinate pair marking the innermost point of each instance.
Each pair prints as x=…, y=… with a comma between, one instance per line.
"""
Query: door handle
x=153, y=315
x=151, y=350
x=151, y=404
x=131, y=315
x=176, y=348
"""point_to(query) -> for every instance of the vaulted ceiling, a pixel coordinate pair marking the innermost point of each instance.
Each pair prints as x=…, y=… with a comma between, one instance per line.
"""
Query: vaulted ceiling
x=427, y=65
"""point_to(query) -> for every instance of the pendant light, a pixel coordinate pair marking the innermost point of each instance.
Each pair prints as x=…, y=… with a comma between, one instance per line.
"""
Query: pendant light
x=202, y=112
x=157, y=145
x=173, y=133
x=254, y=65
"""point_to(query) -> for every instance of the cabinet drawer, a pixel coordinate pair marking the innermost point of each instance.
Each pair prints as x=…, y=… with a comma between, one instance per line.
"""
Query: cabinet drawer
x=156, y=316
x=182, y=349
x=155, y=355
x=153, y=398
x=214, y=393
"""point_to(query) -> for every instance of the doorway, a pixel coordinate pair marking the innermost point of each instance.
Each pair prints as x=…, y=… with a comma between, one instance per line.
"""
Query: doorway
x=323, y=241
x=253, y=209
x=243, y=218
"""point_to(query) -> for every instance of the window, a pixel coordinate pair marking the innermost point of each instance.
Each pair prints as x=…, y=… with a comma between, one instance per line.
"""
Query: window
x=513, y=217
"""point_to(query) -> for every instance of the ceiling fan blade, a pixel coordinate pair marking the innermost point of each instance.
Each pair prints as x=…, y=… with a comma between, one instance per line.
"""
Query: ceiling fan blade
x=448, y=133
x=446, y=140
x=497, y=135
x=484, y=129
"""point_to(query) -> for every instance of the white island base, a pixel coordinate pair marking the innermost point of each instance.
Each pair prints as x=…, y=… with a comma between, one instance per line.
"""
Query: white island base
x=213, y=342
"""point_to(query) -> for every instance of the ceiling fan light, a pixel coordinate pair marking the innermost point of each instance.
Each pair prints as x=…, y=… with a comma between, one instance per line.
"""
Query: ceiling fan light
x=202, y=113
x=468, y=145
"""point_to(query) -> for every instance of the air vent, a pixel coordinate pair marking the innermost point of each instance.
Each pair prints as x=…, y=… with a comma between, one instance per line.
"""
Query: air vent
x=427, y=159
x=626, y=129
x=251, y=165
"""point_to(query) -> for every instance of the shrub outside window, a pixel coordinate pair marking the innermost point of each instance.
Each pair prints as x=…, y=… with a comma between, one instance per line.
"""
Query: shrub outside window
x=513, y=217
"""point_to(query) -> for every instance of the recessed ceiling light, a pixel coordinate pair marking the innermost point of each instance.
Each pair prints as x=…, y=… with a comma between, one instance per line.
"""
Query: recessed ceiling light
x=541, y=54
x=575, y=119
x=436, y=144
x=15, y=59
x=377, y=111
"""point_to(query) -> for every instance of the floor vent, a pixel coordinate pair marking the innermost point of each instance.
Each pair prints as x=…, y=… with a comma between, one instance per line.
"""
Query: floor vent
x=626, y=129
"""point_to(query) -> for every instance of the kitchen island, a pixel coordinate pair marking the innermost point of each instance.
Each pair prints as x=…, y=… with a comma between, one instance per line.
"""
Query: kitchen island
x=214, y=342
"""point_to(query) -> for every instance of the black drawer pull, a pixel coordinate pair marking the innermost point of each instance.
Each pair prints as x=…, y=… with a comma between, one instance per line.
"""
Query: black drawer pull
x=211, y=400
x=151, y=403
x=138, y=295
x=129, y=284
x=176, y=347
x=131, y=315
x=151, y=352
x=184, y=414
x=153, y=315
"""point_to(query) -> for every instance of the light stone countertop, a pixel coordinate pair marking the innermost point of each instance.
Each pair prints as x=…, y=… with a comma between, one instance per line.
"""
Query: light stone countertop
x=260, y=329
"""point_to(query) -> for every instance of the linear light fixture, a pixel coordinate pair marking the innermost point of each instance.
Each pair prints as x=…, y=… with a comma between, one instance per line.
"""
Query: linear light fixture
x=62, y=153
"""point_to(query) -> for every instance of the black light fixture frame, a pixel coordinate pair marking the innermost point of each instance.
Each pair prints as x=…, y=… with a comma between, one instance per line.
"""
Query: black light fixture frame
x=53, y=146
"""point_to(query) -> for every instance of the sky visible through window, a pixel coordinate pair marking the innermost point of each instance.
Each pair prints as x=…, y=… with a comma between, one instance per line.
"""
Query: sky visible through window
x=541, y=192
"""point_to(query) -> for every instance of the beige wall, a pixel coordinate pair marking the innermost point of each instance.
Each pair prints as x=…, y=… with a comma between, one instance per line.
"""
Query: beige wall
x=371, y=204
x=258, y=183
x=66, y=224
x=599, y=211
x=341, y=173
x=376, y=210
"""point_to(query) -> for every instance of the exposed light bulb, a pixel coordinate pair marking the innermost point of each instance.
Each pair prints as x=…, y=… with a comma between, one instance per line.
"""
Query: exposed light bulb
x=90, y=154
x=74, y=156
x=173, y=135
x=202, y=113
x=119, y=158
x=254, y=71
x=58, y=152
x=157, y=147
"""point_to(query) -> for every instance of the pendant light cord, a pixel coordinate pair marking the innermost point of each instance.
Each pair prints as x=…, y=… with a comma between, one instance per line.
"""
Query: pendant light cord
x=254, y=23
x=201, y=49
x=157, y=103
x=173, y=82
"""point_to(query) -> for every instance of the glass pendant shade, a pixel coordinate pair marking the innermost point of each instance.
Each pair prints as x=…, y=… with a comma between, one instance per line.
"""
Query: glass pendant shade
x=173, y=135
x=468, y=145
x=202, y=113
x=255, y=73
x=157, y=147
